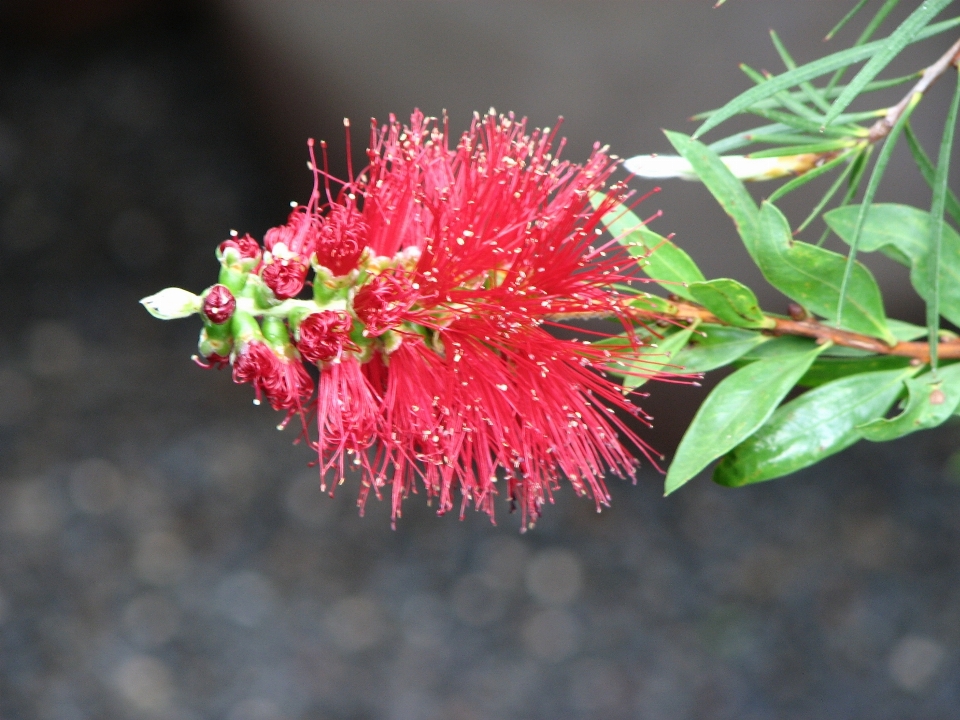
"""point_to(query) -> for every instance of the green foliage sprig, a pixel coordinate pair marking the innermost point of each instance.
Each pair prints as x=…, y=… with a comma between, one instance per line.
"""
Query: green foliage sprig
x=863, y=374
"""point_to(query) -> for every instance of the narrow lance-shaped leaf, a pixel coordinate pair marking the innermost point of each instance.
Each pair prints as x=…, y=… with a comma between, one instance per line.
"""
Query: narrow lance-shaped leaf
x=879, y=168
x=713, y=346
x=875, y=22
x=811, y=276
x=817, y=424
x=937, y=224
x=828, y=369
x=811, y=149
x=732, y=302
x=793, y=105
x=902, y=233
x=739, y=405
x=889, y=48
x=846, y=18
x=661, y=259
x=652, y=359
x=850, y=170
x=779, y=346
x=933, y=397
x=802, y=180
x=738, y=140
x=828, y=93
x=928, y=171
x=812, y=70
x=811, y=92
x=728, y=190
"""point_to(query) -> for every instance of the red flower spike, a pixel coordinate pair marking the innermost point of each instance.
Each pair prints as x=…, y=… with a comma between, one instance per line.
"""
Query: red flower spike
x=219, y=304
x=324, y=335
x=453, y=257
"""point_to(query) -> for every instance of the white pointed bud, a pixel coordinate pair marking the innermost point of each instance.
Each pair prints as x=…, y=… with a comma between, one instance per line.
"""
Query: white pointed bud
x=742, y=166
x=172, y=303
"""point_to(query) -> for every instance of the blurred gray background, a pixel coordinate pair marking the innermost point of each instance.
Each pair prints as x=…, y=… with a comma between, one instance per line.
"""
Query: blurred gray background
x=165, y=553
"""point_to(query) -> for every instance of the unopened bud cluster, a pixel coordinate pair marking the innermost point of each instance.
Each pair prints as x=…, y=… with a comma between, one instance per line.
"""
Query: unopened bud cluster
x=261, y=319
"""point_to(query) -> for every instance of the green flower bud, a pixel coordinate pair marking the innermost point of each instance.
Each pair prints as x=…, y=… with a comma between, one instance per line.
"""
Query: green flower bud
x=277, y=337
x=245, y=328
x=215, y=341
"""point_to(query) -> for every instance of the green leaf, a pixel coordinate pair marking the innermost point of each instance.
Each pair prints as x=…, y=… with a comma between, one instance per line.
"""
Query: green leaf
x=821, y=147
x=812, y=93
x=879, y=168
x=731, y=301
x=653, y=303
x=827, y=369
x=905, y=331
x=785, y=139
x=902, y=233
x=713, y=346
x=661, y=260
x=889, y=48
x=897, y=231
x=846, y=19
x=810, y=126
x=875, y=22
x=812, y=70
x=738, y=140
x=933, y=397
x=858, y=160
x=727, y=189
x=652, y=359
x=806, y=177
x=785, y=99
x=779, y=346
x=936, y=220
x=831, y=92
x=928, y=171
x=739, y=405
x=815, y=425
x=811, y=276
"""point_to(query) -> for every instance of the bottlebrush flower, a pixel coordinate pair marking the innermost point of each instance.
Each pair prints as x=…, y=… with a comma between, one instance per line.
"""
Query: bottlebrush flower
x=438, y=271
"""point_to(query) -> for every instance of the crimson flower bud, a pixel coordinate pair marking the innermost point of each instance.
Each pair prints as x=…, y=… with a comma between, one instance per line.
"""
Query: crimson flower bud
x=219, y=304
x=323, y=335
x=242, y=252
x=285, y=277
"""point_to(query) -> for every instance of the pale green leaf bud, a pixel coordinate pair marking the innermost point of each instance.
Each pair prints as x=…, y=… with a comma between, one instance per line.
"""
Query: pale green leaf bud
x=744, y=167
x=172, y=303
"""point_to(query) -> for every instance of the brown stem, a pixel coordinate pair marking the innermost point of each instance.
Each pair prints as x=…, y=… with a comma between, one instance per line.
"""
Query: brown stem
x=949, y=349
x=882, y=127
